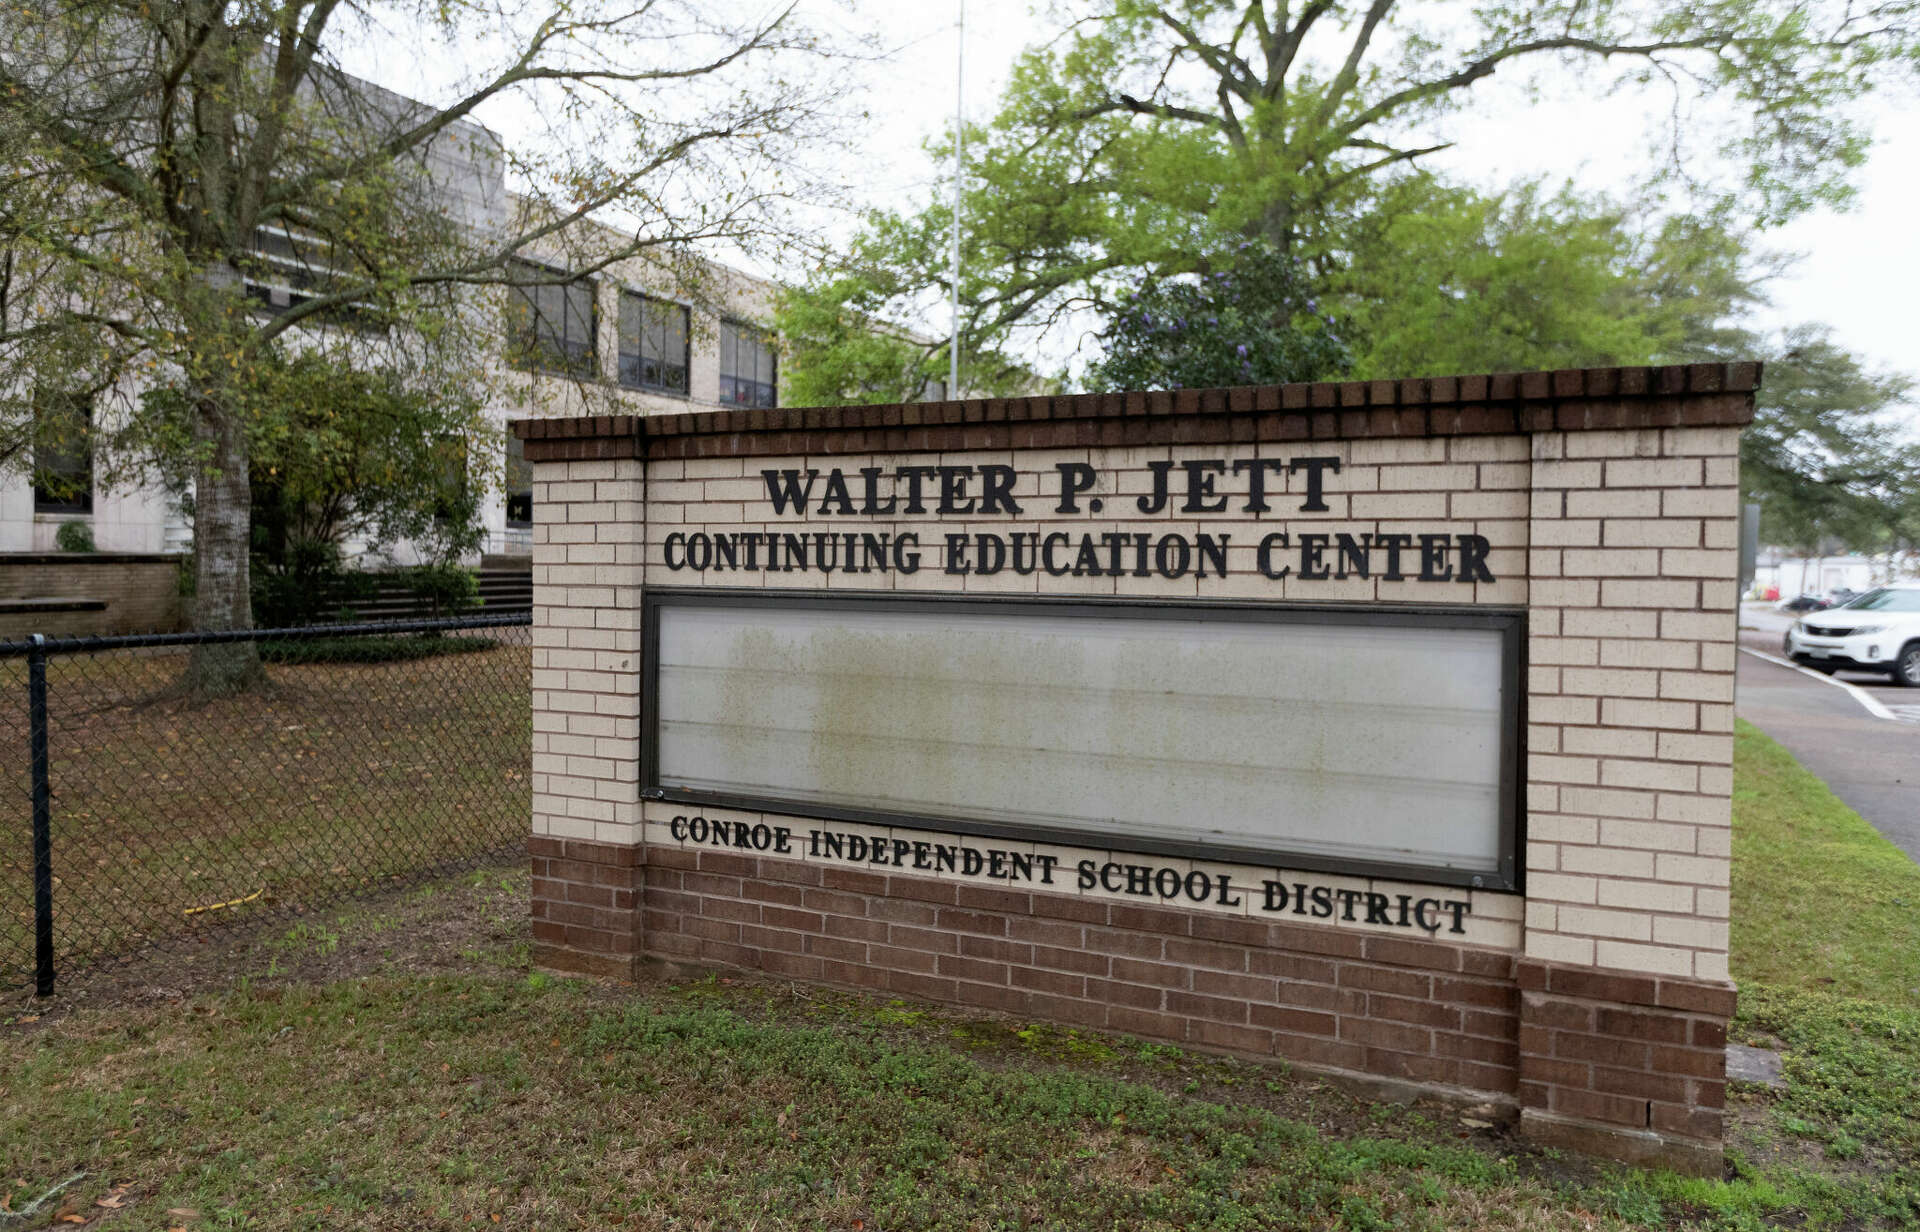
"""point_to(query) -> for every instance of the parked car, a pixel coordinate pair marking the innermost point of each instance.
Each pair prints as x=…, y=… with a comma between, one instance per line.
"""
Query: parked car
x=1877, y=632
x=1802, y=603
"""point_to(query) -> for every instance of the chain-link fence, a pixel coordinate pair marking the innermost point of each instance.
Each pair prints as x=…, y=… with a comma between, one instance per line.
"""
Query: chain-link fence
x=146, y=799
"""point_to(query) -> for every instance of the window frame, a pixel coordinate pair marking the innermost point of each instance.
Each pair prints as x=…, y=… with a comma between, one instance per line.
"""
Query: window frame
x=644, y=302
x=763, y=339
x=279, y=269
x=1507, y=876
x=527, y=352
x=81, y=505
x=526, y=494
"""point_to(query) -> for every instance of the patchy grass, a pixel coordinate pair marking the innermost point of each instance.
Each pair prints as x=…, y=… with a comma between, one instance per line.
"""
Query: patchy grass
x=398, y=1066
x=523, y=1101
x=1821, y=902
x=170, y=815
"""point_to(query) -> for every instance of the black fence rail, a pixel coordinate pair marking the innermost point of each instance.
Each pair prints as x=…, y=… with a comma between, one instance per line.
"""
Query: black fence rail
x=142, y=811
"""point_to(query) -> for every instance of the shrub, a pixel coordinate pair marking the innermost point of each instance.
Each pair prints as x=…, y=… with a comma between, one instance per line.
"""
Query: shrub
x=448, y=588
x=306, y=583
x=74, y=537
x=385, y=649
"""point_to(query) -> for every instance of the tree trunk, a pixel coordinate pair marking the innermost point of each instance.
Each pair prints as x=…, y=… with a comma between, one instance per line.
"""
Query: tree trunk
x=221, y=542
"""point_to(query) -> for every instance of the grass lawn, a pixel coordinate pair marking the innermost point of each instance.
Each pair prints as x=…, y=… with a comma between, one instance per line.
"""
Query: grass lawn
x=335, y=776
x=1821, y=902
x=1826, y=949
x=398, y=1066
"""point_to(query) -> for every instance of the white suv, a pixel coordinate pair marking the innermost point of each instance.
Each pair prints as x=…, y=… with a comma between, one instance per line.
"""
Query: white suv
x=1877, y=632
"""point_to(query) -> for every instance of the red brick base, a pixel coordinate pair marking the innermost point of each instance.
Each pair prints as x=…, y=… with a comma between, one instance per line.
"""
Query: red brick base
x=586, y=906
x=1437, y=1015
x=1618, y=1064
x=1628, y=1064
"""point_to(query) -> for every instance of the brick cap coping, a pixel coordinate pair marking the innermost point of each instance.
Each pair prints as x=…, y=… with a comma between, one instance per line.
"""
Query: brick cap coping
x=92, y=558
x=1567, y=400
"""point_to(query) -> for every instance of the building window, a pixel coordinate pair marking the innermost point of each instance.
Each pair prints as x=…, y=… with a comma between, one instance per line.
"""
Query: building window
x=519, y=483
x=653, y=343
x=746, y=367
x=550, y=325
x=286, y=268
x=62, y=454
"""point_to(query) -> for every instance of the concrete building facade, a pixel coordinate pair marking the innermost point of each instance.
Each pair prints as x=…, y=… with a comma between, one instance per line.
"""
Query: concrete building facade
x=716, y=309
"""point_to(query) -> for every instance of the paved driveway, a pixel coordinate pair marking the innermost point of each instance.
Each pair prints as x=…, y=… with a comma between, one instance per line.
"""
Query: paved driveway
x=1872, y=763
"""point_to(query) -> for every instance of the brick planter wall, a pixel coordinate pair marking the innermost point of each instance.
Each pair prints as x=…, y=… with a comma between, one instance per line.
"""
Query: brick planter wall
x=139, y=592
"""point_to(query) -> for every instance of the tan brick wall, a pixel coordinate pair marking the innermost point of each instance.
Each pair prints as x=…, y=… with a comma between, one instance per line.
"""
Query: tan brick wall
x=1492, y=921
x=1383, y=487
x=1618, y=544
x=1630, y=693
x=589, y=522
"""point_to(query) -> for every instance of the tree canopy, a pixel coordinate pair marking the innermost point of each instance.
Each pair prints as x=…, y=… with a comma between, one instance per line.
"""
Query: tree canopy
x=1829, y=465
x=1149, y=138
x=1148, y=169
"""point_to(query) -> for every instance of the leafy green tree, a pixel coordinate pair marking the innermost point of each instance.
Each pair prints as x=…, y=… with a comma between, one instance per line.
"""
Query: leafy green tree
x=1248, y=322
x=342, y=453
x=840, y=349
x=1826, y=458
x=844, y=345
x=158, y=157
x=1446, y=280
x=1148, y=134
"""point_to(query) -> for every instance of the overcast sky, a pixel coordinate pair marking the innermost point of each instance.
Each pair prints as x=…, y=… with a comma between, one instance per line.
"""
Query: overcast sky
x=1857, y=273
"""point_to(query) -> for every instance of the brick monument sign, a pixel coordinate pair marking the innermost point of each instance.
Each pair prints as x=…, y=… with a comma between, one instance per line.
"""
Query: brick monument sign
x=1384, y=727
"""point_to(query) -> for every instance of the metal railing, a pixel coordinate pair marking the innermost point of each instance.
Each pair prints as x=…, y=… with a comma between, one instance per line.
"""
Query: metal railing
x=358, y=757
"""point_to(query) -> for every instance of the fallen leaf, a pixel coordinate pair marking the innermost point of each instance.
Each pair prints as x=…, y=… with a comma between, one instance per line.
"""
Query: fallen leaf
x=184, y=1212
x=73, y=1219
x=112, y=1202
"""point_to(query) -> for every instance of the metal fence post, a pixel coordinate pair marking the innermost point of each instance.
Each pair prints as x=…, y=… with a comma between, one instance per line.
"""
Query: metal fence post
x=42, y=818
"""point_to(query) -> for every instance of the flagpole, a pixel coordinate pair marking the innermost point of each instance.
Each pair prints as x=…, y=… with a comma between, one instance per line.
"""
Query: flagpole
x=959, y=164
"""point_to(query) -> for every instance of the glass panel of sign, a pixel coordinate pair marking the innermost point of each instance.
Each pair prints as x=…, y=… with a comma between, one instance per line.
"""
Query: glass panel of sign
x=1315, y=735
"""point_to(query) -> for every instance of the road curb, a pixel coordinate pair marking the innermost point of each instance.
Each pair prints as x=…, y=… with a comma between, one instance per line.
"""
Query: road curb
x=1868, y=701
